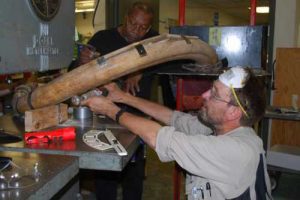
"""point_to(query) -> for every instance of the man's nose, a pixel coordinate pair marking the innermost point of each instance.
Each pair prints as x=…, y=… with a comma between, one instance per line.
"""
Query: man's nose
x=206, y=95
x=136, y=30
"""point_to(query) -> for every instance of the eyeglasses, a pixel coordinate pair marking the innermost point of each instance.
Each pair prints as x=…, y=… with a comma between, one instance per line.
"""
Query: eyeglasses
x=217, y=98
x=213, y=95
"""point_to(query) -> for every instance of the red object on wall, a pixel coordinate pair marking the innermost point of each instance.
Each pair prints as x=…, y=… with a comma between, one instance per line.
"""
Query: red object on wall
x=181, y=16
x=253, y=12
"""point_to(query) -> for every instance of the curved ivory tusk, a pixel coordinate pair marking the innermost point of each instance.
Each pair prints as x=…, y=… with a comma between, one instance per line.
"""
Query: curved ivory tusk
x=124, y=61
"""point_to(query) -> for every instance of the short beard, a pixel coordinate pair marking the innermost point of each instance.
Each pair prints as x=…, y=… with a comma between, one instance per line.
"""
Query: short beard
x=203, y=118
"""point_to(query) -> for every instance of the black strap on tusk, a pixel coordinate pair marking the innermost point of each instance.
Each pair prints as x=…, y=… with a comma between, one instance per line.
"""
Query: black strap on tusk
x=141, y=50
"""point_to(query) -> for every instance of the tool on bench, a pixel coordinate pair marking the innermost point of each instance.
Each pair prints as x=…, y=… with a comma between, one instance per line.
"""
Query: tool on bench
x=92, y=139
x=57, y=135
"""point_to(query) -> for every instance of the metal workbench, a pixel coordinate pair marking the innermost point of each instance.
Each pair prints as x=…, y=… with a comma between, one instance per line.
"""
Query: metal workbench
x=89, y=158
x=52, y=174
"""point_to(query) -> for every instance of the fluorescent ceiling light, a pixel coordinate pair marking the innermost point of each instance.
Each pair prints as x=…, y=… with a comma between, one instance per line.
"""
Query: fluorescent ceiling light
x=261, y=9
x=85, y=3
x=84, y=6
x=84, y=10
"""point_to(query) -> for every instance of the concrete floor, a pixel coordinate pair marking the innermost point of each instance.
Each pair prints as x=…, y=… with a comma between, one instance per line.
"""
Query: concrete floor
x=288, y=188
x=158, y=183
x=159, y=179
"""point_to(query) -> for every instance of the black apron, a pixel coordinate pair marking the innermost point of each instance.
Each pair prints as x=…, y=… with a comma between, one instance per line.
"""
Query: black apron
x=260, y=184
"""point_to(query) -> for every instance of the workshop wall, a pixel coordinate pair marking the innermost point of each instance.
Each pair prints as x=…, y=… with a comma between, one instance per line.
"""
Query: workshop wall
x=84, y=21
x=287, y=27
x=166, y=16
x=286, y=38
x=195, y=15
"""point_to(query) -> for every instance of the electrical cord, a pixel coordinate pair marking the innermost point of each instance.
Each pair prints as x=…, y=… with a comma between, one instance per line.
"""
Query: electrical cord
x=94, y=15
x=273, y=75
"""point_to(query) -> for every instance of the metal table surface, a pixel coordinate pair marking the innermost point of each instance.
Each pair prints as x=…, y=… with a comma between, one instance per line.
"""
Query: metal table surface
x=89, y=158
x=54, y=172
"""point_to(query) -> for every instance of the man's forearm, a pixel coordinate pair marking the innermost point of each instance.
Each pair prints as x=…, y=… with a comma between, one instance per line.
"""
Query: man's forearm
x=145, y=128
x=142, y=127
x=155, y=110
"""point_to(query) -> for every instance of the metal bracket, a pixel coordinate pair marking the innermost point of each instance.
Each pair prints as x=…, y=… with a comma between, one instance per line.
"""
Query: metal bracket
x=101, y=60
x=141, y=50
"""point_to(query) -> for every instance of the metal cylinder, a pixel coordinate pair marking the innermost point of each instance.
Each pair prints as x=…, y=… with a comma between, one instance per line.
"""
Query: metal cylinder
x=82, y=112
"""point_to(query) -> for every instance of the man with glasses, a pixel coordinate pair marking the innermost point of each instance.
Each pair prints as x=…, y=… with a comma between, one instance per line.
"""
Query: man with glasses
x=136, y=27
x=223, y=156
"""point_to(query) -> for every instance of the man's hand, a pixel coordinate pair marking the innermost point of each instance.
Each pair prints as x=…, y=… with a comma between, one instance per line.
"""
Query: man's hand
x=87, y=54
x=132, y=83
x=101, y=105
x=115, y=94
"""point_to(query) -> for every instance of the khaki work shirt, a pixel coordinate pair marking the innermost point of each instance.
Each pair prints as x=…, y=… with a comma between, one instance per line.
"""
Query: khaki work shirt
x=228, y=163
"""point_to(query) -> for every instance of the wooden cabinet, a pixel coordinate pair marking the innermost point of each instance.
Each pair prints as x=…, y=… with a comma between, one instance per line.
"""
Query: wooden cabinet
x=287, y=83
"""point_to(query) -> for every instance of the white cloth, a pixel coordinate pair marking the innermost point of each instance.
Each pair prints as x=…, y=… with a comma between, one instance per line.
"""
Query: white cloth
x=227, y=162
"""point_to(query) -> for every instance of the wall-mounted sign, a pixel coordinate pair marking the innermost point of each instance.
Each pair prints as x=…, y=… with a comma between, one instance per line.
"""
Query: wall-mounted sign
x=45, y=9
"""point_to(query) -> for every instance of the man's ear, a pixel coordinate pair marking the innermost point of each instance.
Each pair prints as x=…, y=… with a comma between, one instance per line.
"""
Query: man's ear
x=233, y=113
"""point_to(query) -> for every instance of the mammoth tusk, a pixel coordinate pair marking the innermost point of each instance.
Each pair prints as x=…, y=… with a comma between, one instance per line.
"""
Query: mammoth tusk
x=124, y=61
